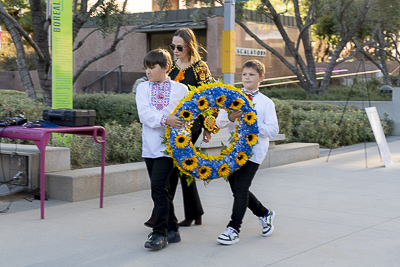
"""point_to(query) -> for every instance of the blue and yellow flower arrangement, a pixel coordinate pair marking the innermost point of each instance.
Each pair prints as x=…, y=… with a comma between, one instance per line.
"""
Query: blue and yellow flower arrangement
x=208, y=167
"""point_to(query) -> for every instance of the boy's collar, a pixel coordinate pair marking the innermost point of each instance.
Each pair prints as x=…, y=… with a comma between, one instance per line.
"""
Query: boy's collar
x=163, y=82
x=253, y=93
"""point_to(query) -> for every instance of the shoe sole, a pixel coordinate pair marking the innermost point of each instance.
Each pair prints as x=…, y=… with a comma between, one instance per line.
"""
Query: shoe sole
x=227, y=242
x=272, y=226
x=154, y=248
x=175, y=240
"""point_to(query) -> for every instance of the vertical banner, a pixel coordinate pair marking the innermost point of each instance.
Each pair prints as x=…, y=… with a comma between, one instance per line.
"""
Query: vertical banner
x=61, y=31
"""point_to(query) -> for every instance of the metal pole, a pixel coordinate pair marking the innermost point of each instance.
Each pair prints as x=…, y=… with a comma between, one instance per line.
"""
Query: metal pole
x=120, y=79
x=229, y=25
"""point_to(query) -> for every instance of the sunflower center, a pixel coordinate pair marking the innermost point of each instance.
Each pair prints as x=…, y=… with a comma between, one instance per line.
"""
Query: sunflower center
x=201, y=102
x=249, y=117
x=186, y=114
x=189, y=162
x=203, y=171
x=235, y=103
x=181, y=139
x=250, y=138
x=240, y=157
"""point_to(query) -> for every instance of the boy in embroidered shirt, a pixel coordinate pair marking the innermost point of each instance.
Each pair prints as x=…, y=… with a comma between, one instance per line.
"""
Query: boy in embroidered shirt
x=155, y=99
x=240, y=181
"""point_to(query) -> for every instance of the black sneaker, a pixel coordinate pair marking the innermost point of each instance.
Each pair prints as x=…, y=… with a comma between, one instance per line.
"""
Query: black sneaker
x=156, y=241
x=267, y=223
x=173, y=237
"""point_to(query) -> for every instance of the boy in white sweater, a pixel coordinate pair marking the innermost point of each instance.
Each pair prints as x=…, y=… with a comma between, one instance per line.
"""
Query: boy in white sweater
x=240, y=181
x=155, y=99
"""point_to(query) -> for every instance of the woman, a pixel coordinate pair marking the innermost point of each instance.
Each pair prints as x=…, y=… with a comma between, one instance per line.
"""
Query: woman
x=188, y=69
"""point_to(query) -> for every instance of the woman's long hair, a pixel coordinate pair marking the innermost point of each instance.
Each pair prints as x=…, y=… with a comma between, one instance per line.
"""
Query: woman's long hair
x=190, y=40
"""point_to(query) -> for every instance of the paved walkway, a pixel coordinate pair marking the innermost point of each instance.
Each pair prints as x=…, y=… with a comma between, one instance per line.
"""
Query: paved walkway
x=335, y=213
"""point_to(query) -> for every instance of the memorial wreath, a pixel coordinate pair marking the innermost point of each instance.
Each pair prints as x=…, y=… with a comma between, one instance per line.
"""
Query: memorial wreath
x=208, y=97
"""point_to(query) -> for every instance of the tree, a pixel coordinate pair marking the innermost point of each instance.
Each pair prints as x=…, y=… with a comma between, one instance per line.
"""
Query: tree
x=308, y=13
x=17, y=32
x=304, y=68
x=109, y=17
x=387, y=20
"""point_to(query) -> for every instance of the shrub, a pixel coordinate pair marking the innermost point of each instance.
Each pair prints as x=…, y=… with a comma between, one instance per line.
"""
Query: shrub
x=123, y=145
x=284, y=114
x=109, y=107
x=360, y=91
x=330, y=125
x=17, y=101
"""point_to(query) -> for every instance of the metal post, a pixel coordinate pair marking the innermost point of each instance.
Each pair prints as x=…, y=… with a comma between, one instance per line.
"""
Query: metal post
x=229, y=42
x=120, y=79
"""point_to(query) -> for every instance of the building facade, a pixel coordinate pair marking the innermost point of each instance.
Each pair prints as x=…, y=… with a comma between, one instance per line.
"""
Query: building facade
x=133, y=48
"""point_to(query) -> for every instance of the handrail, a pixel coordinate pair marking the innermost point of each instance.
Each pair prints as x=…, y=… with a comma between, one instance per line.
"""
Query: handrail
x=103, y=80
x=294, y=76
x=320, y=78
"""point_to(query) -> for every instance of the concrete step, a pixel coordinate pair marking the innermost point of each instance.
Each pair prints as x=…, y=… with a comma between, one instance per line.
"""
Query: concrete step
x=57, y=158
x=84, y=184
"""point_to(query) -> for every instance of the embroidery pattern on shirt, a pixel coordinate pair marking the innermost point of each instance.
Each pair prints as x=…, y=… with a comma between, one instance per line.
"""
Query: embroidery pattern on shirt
x=160, y=94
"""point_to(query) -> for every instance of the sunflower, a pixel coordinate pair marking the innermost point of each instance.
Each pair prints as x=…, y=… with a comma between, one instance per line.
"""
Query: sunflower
x=251, y=139
x=186, y=115
x=202, y=103
x=250, y=118
x=204, y=172
x=224, y=170
x=209, y=123
x=190, y=164
x=182, y=140
x=220, y=100
x=241, y=158
x=237, y=104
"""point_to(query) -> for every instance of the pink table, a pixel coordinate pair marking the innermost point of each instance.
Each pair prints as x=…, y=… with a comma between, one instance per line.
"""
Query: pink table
x=41, y=137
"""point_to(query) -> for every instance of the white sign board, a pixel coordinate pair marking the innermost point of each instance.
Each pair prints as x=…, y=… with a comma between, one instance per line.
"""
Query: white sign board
x=380, y=138
x=241, y=51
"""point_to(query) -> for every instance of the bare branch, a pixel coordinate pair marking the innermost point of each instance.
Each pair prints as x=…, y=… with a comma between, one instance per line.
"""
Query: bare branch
x=81, y=42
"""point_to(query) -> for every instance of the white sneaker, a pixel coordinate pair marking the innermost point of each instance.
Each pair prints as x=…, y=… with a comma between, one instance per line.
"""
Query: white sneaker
x=266, y=223
x=229, y=237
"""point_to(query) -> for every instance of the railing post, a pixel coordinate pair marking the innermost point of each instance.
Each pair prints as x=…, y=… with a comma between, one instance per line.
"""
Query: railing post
x=104, y=84
x=120, y=79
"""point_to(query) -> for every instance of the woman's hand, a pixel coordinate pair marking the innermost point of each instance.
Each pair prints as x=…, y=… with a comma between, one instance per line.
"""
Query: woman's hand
x=206, y=136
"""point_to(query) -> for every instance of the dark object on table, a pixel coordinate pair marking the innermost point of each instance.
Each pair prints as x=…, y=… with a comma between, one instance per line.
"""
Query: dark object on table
x=70, y=117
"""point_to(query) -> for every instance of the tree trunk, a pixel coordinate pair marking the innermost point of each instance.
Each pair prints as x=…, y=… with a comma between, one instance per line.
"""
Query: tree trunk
x=42, y=40
x=22, y=68
x=381, y=53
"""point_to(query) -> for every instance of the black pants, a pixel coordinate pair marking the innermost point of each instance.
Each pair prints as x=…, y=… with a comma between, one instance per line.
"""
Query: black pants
x=240, y=182
x=191, y=199
x=160, y=169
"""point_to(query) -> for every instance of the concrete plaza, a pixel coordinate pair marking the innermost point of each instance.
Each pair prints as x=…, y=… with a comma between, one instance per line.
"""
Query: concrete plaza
x=329, y=213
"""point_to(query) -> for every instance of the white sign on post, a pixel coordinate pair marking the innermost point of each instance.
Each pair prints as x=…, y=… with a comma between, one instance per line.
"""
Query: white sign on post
x=380, y=138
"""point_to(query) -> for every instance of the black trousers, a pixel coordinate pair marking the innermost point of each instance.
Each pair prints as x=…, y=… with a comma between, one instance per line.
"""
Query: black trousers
x=191, y=199
x=240, y=182
x=160, y=169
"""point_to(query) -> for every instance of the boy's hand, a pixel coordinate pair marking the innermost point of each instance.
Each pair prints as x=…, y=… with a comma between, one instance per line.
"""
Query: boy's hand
x=206, y=136
x=235, y=114
x=174, y=121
